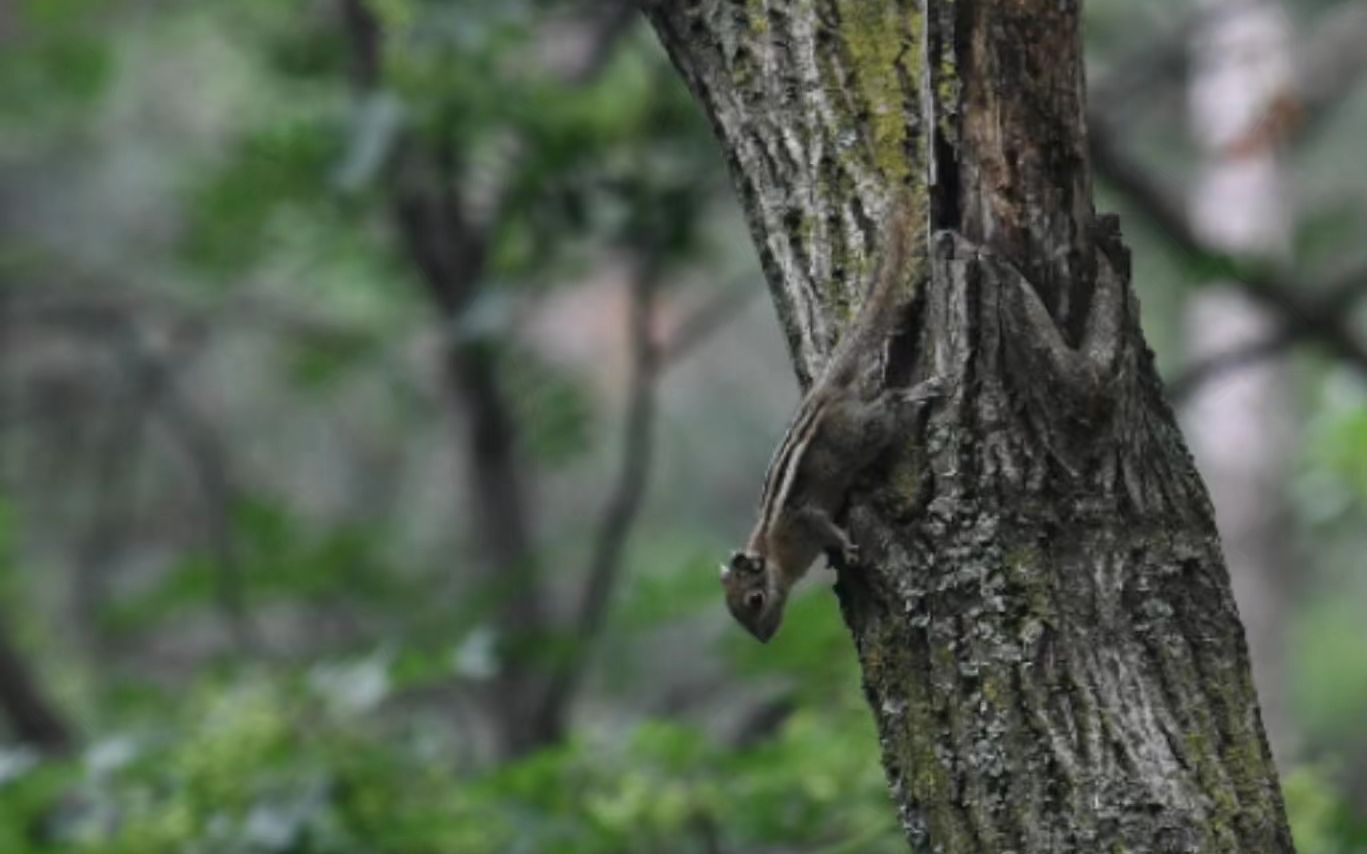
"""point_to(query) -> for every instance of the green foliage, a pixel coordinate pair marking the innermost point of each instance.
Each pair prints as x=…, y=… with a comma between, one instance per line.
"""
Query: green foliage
x=321, y=363
x=273, y=167
x=276, y=558
x=681, y=582
x=28, y=800
x=1339, y=449
x=1331, y=678
x=263, y=764
x=9, y=579
x=564, y=153
x=1327, y=233
x=552, y=405
x=1322, y=822
x=813, y=649
x=59, y=66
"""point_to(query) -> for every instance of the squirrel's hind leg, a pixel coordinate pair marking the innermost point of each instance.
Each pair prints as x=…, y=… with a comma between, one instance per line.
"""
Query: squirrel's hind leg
x=839, y=548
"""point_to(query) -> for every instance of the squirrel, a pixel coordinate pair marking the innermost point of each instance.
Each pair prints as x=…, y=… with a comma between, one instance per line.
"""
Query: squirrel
x=845, y=421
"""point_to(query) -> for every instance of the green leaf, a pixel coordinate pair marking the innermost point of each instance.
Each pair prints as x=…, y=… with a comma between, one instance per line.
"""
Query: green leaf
x=551, y=406
x=234, y=214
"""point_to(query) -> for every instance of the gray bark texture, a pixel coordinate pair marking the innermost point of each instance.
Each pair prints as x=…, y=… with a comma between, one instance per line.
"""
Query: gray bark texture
x=1048, y=640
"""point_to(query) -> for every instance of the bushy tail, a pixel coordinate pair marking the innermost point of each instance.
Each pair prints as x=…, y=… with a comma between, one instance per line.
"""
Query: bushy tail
x=902, y=269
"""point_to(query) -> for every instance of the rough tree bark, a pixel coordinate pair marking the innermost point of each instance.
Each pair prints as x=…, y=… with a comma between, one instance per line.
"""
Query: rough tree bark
x=1046, y=630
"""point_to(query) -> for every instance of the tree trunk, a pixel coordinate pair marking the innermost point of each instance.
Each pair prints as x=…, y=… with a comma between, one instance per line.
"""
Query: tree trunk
x=1045, y=625
x=449, y=251
x=1242, y=424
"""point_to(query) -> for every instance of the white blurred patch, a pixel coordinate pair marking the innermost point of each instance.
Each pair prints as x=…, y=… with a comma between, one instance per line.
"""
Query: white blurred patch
x=353, y=686
x=109, y=755
x=476, y=657
x=15, y=762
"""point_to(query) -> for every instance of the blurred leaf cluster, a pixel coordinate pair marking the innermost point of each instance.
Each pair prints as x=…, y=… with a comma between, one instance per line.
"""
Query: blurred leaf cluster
x=263, y=763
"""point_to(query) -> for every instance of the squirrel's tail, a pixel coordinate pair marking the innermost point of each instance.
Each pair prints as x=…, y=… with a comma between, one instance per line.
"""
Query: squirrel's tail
x=903, y=266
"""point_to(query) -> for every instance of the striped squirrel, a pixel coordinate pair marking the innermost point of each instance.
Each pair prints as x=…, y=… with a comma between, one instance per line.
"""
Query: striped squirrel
x=842, y=425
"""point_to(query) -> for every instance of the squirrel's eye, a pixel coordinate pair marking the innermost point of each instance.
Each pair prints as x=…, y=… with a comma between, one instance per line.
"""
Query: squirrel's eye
x=754, y=600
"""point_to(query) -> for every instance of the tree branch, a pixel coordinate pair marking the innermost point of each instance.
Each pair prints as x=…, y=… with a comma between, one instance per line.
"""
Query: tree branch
x=1301, y=316
x=602, y=24
x=152, y=378
x=450, y=250
x=1337, y=303
x=706, y=320
x=205, y=452
x=624, y=501
x=1331, y=65
x=31, y=715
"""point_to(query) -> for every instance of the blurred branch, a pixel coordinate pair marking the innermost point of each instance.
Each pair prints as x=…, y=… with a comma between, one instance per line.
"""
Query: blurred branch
x=603, y=23
x=450, y=249
x=649, y=361
x=449, y=252
x=364, y=34
x=624, y=502
x=763, y=720
x=1157, y=67
x=31, y=715
x=91, y=308
x=1339, y=300
x=108, y=318
x=9, y=26
x=706, y=320
x=763, y=714
x=1302, y=318
x=154, y=378
x=207, y=456
x=1332, y=63
x=1181, y=387
x=113, y=503
x=706, y=828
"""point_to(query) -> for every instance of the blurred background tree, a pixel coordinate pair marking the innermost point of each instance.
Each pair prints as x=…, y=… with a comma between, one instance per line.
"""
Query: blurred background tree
x=381, y=381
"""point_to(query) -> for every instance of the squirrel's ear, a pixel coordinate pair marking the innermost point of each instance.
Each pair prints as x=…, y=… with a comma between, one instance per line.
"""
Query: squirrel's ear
x=733, y=563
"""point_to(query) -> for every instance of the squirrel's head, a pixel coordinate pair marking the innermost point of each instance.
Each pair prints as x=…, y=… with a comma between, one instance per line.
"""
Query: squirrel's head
x=753, y=596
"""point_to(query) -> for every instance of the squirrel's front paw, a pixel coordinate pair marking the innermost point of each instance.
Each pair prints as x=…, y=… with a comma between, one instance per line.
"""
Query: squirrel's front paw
x=925, y=390
x=850, y=554
x=846, y=556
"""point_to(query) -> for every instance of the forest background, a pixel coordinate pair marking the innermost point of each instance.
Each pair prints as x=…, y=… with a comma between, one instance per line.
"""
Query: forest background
x=381, y=382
